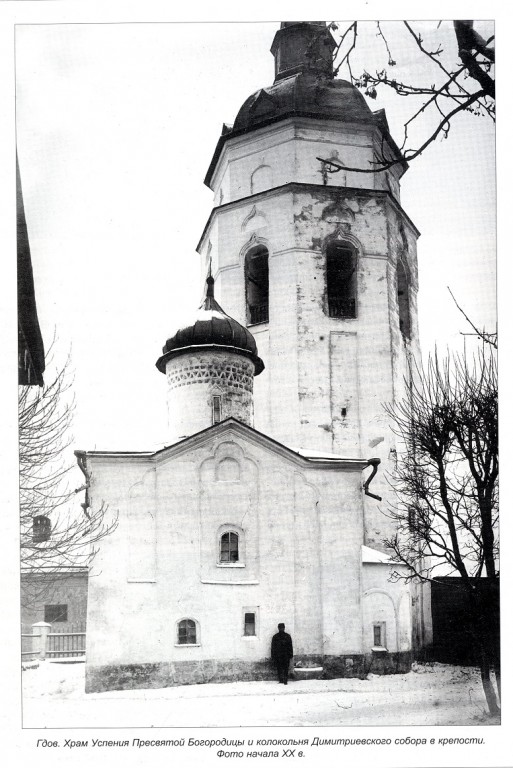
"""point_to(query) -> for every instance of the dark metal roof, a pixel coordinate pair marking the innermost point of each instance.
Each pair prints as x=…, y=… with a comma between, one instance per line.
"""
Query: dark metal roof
x=333, y=463
x=304, y=86
x=31, y=352
x=302, y=95
x=211, y=328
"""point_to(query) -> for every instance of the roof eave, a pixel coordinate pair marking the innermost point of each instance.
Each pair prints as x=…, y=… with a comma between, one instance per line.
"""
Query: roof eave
x=344, y=464
x=291, y=114
x=298, y=185
x=163, y=359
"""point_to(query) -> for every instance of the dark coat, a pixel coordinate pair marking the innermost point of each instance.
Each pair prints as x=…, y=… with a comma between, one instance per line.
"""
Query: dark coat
x=281, y=647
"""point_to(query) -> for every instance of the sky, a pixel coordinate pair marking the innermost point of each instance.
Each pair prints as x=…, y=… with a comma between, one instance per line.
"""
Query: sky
x=116, y=125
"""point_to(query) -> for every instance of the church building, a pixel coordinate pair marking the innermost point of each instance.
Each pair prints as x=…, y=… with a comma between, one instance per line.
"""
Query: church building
x=267, y=505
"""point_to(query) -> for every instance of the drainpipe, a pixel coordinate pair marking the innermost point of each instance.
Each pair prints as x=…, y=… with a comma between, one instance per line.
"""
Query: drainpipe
x=374, y=463
x=82, y=463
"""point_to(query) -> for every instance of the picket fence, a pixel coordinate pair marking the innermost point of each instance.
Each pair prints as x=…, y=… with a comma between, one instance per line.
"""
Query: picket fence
x=50, y=641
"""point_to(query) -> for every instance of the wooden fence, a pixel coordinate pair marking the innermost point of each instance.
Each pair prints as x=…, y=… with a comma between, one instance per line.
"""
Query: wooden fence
x=50, y=641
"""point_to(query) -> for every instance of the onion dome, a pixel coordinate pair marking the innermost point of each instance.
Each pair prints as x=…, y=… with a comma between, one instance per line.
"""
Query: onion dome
x=304, y=86
x=303, y=95
x=212, y=328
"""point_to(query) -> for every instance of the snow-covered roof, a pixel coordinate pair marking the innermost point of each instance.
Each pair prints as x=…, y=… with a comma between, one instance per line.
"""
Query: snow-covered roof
x=370, y=555
x=304, y=457
x=308, y=453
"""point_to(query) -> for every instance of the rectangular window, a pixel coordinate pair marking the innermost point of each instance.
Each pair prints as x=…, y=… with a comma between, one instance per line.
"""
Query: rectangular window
x=216, y=409
x=379, y=635
x=55, y=613
x=418, y=523
x=249, y=624
x=250, y=620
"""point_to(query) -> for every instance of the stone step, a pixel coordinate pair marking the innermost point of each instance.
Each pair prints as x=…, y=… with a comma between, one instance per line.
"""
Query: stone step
x=307, y=673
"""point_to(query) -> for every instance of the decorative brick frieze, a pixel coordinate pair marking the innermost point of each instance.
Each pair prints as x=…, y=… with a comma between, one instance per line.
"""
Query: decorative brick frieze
x=237, y=374
x=195, y=378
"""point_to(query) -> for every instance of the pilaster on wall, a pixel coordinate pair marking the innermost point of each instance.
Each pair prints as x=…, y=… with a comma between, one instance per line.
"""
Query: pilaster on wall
x=308, y=624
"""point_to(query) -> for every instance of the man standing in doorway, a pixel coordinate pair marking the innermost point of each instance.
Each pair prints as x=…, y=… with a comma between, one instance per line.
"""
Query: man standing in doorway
x=281, y=653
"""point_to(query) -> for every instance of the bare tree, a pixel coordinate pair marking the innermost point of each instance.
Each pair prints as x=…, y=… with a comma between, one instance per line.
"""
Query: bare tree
x=446, y=485
x=55, y=531
x=488, y=337
x=455, y=79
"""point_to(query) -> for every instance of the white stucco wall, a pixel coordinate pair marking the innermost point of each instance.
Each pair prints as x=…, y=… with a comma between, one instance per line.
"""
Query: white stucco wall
x=287, y=151
x=300, y=562
x=386, y=600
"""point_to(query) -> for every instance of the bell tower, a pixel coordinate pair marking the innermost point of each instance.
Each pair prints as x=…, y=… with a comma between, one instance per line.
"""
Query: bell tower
x=320, y=266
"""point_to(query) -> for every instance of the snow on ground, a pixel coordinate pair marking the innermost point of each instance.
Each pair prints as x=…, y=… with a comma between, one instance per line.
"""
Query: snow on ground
x=53, y=697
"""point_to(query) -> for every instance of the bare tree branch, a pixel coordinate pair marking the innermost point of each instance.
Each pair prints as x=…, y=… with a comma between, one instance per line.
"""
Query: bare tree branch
x=56, y=532
x=446, y=481
x=409, y=155
x=489, y=338
x=465, y=65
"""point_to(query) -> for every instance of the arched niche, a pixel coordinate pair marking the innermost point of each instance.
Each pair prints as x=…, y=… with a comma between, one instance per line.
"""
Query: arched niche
x=379, y=618
x=227, y=470
x=261, y=179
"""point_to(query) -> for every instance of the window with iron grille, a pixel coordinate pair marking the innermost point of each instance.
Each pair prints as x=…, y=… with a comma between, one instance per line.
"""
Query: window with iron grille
x=418, y=524
x=412, y=519
x=250, y=624
x=257, y=285
x=41, y=529
x=229, y=547
x=55, y=613
x=187, y=634
x=341, y=280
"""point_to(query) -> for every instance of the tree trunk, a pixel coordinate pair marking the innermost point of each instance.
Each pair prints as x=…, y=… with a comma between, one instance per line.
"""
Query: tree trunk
x=497, y=670
x=491, y=698
x=485, y=640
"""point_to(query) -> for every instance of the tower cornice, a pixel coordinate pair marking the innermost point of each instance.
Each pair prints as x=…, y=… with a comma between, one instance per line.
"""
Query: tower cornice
x=304, y=187
x=304, y=96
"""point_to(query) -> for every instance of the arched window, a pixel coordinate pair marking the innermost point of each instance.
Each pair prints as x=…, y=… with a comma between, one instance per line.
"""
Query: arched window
x=41, y=529
x=187, y=632
x=341, y=280
x=229, y=547
x=257, y=285
x=403, y=300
